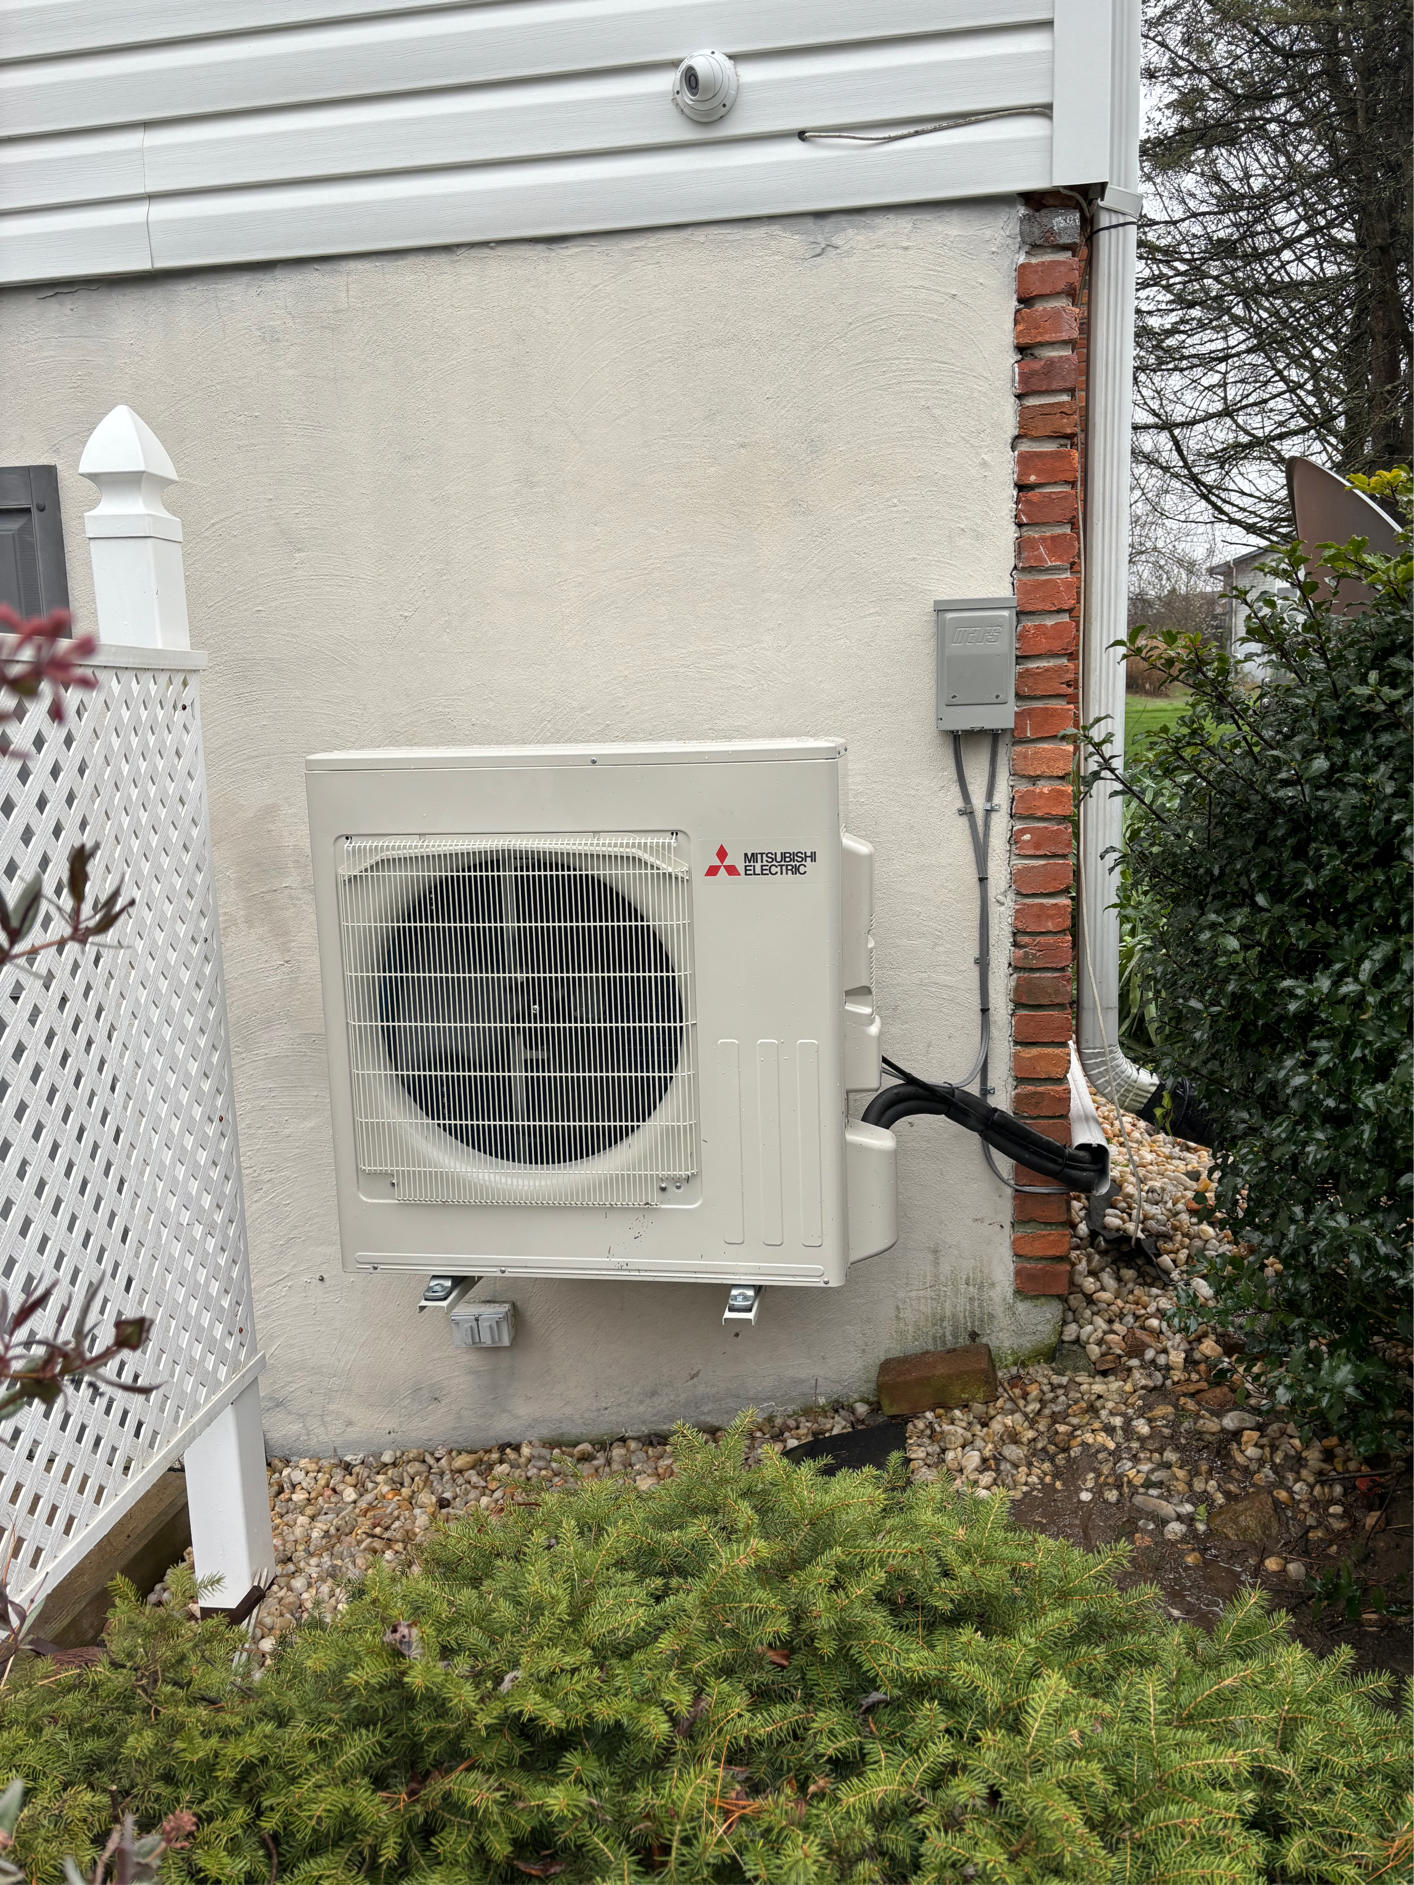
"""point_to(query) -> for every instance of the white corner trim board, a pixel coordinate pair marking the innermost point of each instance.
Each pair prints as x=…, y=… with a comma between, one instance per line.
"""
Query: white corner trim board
x=163, y=134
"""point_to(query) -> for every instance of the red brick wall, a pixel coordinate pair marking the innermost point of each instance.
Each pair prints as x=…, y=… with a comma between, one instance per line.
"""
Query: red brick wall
x=1050, y=322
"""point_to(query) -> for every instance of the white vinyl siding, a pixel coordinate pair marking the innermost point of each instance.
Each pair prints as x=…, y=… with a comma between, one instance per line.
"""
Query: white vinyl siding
x=156, y=134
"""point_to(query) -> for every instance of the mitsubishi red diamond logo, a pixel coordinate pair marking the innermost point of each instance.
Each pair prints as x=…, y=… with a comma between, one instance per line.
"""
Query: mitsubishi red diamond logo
x=721, y=865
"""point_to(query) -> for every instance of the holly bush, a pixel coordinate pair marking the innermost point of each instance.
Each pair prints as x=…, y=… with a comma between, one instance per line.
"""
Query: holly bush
x=747, y=1674
x=1266, y=862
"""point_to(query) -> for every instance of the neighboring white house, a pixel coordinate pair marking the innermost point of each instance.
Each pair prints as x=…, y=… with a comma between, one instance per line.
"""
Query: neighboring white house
x=511, y=404
x=1238, y=576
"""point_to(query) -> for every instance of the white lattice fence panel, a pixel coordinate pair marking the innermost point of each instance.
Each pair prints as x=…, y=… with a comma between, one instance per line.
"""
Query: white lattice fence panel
x=118, y=1155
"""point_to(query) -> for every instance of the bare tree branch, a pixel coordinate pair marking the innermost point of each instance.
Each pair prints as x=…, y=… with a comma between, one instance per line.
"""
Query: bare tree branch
x=1274, y=305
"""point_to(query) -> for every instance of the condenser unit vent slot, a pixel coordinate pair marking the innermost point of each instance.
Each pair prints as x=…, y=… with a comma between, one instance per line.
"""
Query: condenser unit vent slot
x=520, y=1017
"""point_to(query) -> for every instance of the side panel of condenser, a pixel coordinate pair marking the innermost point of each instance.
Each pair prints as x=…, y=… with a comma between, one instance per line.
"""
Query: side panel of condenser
x=767, y=896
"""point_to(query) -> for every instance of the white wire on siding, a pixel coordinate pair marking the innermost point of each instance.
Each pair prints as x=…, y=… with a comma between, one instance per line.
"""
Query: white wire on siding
x=520, y=1017
x=118, y=1154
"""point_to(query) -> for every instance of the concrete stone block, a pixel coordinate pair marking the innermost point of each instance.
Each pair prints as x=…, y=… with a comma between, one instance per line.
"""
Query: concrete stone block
x=939, y=1377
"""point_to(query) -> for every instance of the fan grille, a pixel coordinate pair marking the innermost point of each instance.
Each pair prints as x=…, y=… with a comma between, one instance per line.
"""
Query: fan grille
x=519, y=1014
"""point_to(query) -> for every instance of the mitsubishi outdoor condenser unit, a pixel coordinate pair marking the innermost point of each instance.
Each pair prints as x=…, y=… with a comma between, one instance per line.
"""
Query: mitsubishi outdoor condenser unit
x=597, y=1011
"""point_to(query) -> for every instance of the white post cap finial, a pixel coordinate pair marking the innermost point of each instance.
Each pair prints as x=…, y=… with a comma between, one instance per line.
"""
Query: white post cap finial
x=134, y=540
x=128, y=462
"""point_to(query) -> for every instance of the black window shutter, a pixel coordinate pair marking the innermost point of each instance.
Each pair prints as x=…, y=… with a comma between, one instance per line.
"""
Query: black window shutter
x=33, y=578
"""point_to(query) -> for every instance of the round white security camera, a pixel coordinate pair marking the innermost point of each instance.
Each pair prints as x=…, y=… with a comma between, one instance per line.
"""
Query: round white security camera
x=705, y=87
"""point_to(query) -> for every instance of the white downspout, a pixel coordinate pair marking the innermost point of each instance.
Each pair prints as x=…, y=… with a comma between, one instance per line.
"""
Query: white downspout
x=1109, y=412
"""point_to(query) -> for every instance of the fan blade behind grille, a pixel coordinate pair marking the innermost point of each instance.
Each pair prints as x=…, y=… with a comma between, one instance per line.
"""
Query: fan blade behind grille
x=529, y=1008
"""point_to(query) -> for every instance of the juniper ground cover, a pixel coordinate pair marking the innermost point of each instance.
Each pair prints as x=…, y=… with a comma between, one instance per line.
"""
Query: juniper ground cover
x=748, y=1673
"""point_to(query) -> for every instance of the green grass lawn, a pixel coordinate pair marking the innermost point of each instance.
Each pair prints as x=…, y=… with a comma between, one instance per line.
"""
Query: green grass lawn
x=1145, y=714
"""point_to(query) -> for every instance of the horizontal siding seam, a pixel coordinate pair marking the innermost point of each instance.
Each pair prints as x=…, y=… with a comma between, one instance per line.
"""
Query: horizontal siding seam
x=147, y=203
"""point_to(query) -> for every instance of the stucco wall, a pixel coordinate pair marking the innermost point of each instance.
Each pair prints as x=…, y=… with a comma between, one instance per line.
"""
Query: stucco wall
x=693, y=483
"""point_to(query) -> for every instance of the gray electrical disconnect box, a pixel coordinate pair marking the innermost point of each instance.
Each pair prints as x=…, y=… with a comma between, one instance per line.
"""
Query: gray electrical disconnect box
x=976, y=664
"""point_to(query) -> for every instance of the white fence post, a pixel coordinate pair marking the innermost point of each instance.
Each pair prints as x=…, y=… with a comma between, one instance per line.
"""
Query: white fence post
x=134, y=541
x=229, y=1503
x=140, y=592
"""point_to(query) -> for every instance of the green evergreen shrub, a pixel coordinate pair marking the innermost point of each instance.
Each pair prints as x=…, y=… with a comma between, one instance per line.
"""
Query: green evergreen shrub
x=1266, y=870
x=749, y=1674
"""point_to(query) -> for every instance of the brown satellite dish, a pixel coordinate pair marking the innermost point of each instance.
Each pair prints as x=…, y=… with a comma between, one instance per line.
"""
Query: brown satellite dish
x=1328, y=510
